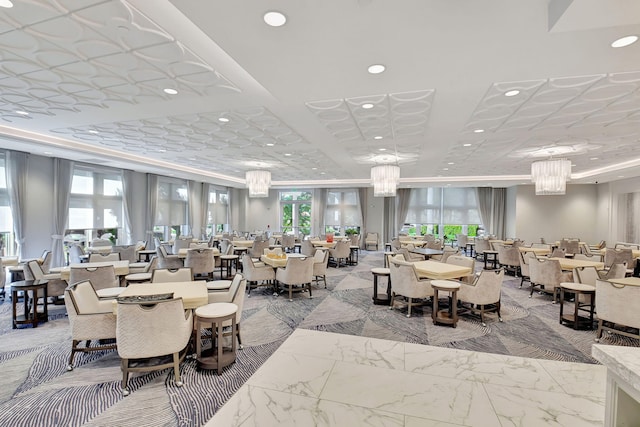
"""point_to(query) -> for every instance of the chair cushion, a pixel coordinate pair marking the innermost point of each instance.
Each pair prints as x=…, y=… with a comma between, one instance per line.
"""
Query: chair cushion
x=380, y=270
x=138, y=277
x=109, y=292
x=136, y=299
x=218, y=285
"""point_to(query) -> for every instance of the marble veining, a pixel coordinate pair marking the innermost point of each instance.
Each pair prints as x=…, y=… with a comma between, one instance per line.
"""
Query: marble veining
x=327, y=379
x=623, y=361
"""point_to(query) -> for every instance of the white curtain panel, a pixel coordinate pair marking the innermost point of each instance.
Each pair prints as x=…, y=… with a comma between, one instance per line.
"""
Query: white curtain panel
x=362, y=200
x=127, y=203
x=485, y=196
x=152, y=207
x=16, y=170
x=403, y=197
x=204, y=210
x=499, y=207
x=62, y=178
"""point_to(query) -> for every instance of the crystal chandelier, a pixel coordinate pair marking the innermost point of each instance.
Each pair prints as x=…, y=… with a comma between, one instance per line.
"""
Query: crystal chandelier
x=551, y=176
x=258, y=183
x=385, y=179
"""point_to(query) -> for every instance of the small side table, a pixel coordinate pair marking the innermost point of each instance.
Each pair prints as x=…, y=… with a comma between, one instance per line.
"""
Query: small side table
x=353, y=255
x=450, y=316
x=492, y=257
x=378, y=298
x=31, y=314
x=578, y=289
x=226, y=261
x=217, y=356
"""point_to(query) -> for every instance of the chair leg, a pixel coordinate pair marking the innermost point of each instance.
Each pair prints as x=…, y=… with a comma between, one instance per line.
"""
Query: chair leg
x=309, y=287
x=176, y=369
x=531, y=293
x=238, y=335
x=124, y=365
x=409, y=308
x=599, y=333
x=498, y=310
x=290, y=292
x=324, y=279
x=74, y=346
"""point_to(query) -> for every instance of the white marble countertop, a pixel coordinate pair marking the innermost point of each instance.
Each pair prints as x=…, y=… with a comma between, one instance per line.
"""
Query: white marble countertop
x=623, y=361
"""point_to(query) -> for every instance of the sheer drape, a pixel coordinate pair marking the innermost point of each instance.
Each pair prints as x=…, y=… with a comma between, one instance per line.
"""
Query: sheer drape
x=62, y=178
x=484, y=196
x=127, y=203
x=16, y=171
x=193, y=191
x=628, y=211
x=403, y=197
x=152, y=207
x=362, y=200
x=499, y=207
x=204, y=210
x=320, y=195
x=389, y=218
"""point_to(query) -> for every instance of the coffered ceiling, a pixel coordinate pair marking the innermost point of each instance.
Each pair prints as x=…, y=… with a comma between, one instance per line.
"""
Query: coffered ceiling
x=86, y=80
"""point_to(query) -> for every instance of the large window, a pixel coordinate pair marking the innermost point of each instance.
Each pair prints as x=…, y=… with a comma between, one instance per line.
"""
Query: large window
x=343, y=212
x=171, y=216
x=442, y=211
x=218, y=212
x=7, y=242
x=95, y=204
x=295, y=212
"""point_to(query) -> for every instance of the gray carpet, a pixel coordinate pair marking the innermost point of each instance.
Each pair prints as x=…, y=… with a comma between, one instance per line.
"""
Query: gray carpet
x=37, y=390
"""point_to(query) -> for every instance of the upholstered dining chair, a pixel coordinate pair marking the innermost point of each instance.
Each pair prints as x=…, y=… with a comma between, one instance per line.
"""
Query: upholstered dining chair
x=127, y=252
x=103, y=279
x=525, y=272
x=320, y=264
x=235, y=295
x=201, y=262
x=164, y=275
x=45, y=264
x=98, y=257
x=180, y=243
x=166, y=260
x=617, y=256
x=462, y=240
x=406, y=283
x=409, y=256
x=341, y=252
x=306, y=248
x=547, y=274
x=482, y=245
x=55, y=285
x=147, y=330
x=464, y=261
x=256, y=275
x=90, y=318
x=509, y=258
x=297, y=272
x=371, y=241
x=288, y=242
x=483, y=294
x=143, y=276
x=258, y=248
x=615, y=305
x=558, y=253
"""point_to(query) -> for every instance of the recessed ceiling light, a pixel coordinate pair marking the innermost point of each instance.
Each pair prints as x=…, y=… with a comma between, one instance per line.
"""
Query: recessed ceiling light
x=624, y=41
x=193, y=159
x=22, y=113
x=170, y=91
x=223, y=119
x=6, y=3
x=382, y=149
x=270, y=144
x=377, y=137
x=445, y=169
x=322, y=173
x=162, y=150
x=93, y=131
x=376, y=68
x=275, y=19
x=466, y=145
x=314, y=169
x=478, y=130
x=593, y=158
x=48, y=153
x=287, y=154
x=451, y=163
x=620, y=176
x=512, y=92
x=367, y=106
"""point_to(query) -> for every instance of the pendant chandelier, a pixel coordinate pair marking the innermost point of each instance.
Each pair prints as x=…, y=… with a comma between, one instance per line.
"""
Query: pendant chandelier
x=258, y=183
x=551, y=176
x=385, y=180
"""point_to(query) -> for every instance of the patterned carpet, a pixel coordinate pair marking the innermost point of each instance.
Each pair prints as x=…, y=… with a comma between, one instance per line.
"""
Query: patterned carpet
x=37, y=389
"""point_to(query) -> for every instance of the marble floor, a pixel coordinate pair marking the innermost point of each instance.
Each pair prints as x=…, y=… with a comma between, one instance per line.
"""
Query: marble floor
x=327, y=379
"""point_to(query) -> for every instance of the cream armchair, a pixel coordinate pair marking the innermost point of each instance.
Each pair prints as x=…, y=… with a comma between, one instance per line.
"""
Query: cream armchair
x=90, y=319
x=342, y=251
x=256, y=274
x=164, y=275
x=55, y=285
x=320, y=264
x=150, y=329
x=509, y=258
x=547, y=274
x=233, y=294
x=103, y=279
x=371, y=240
x=406, y=283
x=616, y=308
x=298, y=272
x=166, y=260
x=483, y=294
x=464, y=261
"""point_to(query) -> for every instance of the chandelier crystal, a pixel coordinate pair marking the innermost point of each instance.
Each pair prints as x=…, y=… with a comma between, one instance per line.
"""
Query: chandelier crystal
x=551, y=176
x=258, y=183
x=385, y=180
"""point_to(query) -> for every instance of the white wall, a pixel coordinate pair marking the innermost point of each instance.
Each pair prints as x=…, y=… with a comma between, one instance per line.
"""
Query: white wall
x=510, y=226
x=553, y=217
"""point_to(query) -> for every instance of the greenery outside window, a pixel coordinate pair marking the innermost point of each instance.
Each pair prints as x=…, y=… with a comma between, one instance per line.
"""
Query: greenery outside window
x=342, y=215
x=295, y=212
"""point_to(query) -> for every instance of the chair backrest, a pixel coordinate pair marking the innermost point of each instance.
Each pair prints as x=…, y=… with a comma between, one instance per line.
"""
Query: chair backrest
x=101, y=242
x=320, y=263
x=447, y=251
x=615, y=256
x=509, y=255
x=616, y=271
x=34, y=268
x=622, y=245
x=145, y=329
x=201, y=261
x=482, y=245
x=371, y=237
x=434, y=244
x=274, y=251
x=462, y=261
x=288, y=241
x=405, y=280
x=545, y=272
x=615, y=303
x=97, y=257
x=342, y=249
x=395, y=244
x=307, y=248
x=462, y=240
x=524, y=258
x=429, y=238
x=163, y=275
x=46, y=261
x=558, y=253
x=128, y=252
x=199, y=245
x=298, y=271
x=152, y=265
x=180, y=244
x=488, y=286
x=100, y=277
x=570, y=246
x=258, y=248
x=81, y=298
x=586, y=275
